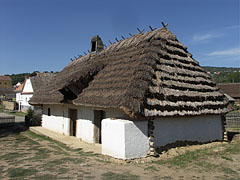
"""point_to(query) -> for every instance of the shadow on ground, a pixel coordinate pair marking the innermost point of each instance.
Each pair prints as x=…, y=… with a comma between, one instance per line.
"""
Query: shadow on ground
x=11, y=129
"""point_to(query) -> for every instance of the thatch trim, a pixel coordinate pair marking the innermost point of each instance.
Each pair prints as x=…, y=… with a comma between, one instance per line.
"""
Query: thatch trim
x=174, y=92
x=154, y=113
x=154, y=102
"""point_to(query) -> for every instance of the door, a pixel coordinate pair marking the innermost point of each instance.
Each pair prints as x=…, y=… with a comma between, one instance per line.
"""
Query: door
x=99, y=115
x=72, y=114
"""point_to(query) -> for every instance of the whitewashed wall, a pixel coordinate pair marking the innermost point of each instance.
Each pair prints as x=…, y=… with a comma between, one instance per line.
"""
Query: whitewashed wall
x=85, y=122
x=26, y=95
x=124, y=139
x=25, y=98
x=27, y=87
x=58, y=121
x=199, y=128
x=85, y=126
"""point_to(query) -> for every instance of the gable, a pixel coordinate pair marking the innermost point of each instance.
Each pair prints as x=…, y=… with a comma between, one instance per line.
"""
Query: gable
x=27, y=88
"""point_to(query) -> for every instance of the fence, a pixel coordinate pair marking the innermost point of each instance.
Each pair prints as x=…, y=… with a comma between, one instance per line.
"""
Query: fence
x=7, y=120
x=233, y=122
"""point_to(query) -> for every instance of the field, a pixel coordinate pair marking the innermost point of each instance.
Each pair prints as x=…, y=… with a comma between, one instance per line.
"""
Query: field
x=25, y=155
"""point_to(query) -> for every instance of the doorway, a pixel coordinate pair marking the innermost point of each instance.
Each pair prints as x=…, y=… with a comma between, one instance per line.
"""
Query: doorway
x=99, y=115
x=72, y=114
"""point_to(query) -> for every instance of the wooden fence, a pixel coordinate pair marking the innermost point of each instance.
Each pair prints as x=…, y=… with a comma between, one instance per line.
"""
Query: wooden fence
x=233, y=122
x=7, y=120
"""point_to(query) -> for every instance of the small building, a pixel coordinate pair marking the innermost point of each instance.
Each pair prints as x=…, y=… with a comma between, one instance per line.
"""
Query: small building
x=134, y=96
x=18, y=91
x=5, y=82
x=30, y=86
x=231, y=89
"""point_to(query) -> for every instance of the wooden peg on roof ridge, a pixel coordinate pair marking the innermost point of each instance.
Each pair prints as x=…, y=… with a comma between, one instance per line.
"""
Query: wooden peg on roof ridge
x=110, y=42
x=164, y=25
x=85, y=53
x=122, y=37
x=130, y=34
x=116, y=39
x=140, y=31
x=152, y=29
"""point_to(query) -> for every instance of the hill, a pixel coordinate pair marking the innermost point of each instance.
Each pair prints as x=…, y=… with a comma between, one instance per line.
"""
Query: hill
x=224, y=74
x=219, y=74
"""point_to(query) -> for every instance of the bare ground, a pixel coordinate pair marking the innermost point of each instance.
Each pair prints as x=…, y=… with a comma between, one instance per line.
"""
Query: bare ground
x=25, y=155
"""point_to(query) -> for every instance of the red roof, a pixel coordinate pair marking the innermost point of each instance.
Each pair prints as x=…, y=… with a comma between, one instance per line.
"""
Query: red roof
x=5, y=78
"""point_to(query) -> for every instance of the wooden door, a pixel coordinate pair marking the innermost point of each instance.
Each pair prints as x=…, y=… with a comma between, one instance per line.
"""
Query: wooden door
x=99, y=115
x=72, y=114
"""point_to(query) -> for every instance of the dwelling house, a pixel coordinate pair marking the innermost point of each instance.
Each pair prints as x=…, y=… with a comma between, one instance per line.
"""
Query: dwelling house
x=231, y=89
x=18, y=91
x=30, y=86
x=5, y=82
x=135, y=95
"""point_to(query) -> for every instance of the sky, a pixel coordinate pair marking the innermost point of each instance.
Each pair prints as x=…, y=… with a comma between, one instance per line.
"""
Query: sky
x=42, y=35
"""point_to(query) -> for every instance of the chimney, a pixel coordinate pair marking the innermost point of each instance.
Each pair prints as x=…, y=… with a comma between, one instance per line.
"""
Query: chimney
x=96, y=44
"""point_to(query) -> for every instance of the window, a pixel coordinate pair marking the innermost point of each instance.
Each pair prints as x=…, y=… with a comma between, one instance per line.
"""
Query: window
x=93, y=46
x=49, y=112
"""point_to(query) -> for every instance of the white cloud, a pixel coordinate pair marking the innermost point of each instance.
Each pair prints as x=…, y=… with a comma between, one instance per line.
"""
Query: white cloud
x=206, y=36
x=228, y=52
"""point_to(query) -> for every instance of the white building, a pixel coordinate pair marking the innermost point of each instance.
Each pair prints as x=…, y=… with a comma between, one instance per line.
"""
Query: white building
x=29, y=87
x=134, y=96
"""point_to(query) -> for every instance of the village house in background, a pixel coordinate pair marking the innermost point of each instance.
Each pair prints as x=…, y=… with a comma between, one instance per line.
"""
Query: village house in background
x=31, y=84
x=7, y=95
x=231, y=89
x=5, y=82
x=232, y=92
x=134, y=96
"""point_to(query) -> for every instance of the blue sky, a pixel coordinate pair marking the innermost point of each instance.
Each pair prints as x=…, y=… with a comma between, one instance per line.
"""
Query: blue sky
x=42, y=35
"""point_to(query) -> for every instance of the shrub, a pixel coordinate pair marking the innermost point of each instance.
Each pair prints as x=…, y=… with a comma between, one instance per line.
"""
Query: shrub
x=32, y=119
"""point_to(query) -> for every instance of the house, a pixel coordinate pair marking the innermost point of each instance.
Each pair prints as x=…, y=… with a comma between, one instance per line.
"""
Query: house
x=18, y=91
x=30, y=86
x=5, y=82
x=6, y=94
x=231, y=89
x=134, y=96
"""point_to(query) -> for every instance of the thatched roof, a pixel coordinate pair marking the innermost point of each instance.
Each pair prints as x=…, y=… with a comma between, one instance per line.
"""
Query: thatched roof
x=149, y=74
x=232, y=89
x=7, y=92
x=40, y=80
x=5, y=78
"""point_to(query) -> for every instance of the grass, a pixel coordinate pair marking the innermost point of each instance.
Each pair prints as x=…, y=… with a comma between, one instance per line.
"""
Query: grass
x=151, y=168
x=21, y=172
x=117, y=176
x=17, y=113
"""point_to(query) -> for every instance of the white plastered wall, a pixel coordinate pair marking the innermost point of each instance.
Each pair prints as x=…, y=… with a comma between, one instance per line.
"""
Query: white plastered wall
x=124, y=139
x=85, y=122
x=198, y=128
x=58, y=121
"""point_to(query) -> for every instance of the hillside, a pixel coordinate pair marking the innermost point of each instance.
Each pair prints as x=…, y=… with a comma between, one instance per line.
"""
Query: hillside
x=220, y=75
x=224, y=74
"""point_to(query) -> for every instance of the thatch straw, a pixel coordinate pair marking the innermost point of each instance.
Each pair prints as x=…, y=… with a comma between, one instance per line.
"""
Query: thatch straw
x=149, y=74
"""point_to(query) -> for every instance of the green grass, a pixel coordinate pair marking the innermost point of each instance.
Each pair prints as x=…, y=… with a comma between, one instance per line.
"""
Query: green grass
x=151, y=168
x=184, y=159
x=20, y=172
x=17, y=113
x=116, y=176
x=45, y=177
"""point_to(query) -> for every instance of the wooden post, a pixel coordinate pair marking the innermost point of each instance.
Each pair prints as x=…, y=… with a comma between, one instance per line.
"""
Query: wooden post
x=151, y=127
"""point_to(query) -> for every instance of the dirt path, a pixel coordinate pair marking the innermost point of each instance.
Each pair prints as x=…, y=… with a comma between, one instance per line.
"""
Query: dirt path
x=25, y=155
